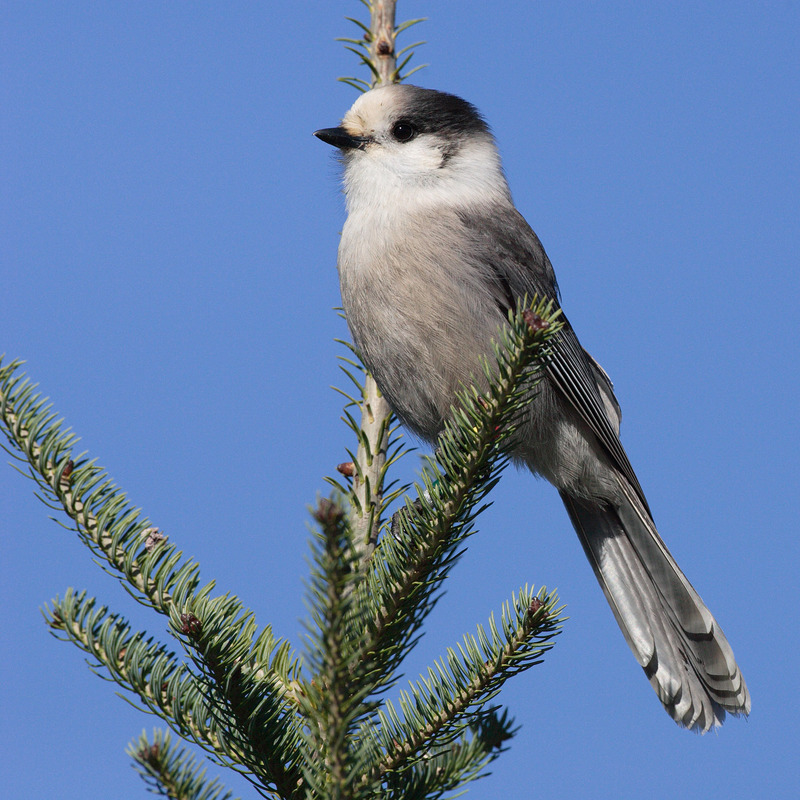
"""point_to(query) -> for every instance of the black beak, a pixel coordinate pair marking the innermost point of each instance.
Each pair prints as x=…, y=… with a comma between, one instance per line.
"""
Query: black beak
x=340, y=138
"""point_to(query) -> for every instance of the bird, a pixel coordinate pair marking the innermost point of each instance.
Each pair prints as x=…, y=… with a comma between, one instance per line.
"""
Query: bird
x=432, y=257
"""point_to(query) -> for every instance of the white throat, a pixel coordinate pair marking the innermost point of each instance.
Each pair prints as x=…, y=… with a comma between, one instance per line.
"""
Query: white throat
x=398, y=183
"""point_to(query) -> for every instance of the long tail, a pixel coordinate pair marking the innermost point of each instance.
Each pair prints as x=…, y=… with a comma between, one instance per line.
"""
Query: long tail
x=677, y=641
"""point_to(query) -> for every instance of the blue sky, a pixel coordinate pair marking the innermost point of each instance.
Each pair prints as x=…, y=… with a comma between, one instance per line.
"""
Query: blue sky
x=169, y=230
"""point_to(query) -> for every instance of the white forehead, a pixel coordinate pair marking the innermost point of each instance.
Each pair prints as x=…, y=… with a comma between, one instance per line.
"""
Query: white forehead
x=373, y=109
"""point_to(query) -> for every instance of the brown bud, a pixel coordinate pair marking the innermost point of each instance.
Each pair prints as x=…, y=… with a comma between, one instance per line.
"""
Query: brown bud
x=534, y=321
x=383, y=48
x=150, y=754
x=347, y=468
x=191, y=626
x=65, y=481
x=535, y=606
x=327, y=512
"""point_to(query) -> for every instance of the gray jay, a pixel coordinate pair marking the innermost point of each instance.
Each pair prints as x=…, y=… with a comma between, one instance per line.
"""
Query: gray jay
x=432, y=257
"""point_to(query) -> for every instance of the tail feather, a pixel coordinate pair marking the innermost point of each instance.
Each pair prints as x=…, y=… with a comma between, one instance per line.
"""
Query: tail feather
x=673, y=635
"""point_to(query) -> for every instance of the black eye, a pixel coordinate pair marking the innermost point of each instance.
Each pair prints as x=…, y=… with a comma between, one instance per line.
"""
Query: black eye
x=403, y=131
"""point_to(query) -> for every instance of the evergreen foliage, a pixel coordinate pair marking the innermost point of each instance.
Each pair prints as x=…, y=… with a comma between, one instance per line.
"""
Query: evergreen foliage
x=170, y=771
x=315, y=724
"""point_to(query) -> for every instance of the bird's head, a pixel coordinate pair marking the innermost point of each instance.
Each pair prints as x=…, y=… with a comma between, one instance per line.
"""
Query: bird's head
x=419, y=145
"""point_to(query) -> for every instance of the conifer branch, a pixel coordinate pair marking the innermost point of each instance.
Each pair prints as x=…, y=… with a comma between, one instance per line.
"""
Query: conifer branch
x=149, y=566
x=333, y=701
x=162, y=684
x=370, y=466
x=249, y=707
x=380, y=446
x=248, y=727
x=382, y=40
x=102, y=517
x=245, y=687
x=451, y=767
x=438, y=708
x=410, y=565
x=171, y=771
x=374, y=625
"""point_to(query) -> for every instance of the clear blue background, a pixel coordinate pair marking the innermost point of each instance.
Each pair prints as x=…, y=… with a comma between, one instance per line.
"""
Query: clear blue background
x=168, y=245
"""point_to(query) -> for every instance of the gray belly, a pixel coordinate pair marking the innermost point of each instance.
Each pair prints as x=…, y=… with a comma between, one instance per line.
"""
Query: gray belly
x=421, y=350
x=422, y=356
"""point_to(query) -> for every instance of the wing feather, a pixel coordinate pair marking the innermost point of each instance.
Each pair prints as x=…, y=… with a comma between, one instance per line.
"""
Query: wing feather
x=517, y=265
